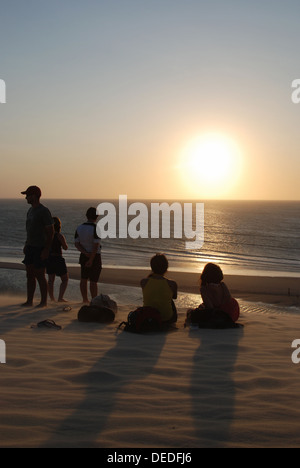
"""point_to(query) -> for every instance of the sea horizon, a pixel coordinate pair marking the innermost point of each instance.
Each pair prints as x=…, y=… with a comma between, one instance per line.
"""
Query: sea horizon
x=243, y=237
x=149, y=199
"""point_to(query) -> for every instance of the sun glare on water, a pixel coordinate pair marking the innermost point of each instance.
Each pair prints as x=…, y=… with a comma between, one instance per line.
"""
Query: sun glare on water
x=210, y=165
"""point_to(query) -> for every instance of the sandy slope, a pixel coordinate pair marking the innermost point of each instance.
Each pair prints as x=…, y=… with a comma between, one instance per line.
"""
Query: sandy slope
x=88, y=386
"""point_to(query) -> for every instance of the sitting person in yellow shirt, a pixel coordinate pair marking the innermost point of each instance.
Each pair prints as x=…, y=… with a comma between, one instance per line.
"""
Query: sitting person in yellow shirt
x=160, y=292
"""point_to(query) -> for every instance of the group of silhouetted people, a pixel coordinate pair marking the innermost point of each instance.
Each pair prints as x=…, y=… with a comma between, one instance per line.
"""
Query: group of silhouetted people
x=43, y=254
x=160, y=292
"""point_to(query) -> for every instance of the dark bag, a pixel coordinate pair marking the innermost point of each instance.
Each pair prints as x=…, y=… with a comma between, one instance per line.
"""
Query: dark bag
x=96, y=314
x=105, y=301
x=210, y=318
x=143, y=320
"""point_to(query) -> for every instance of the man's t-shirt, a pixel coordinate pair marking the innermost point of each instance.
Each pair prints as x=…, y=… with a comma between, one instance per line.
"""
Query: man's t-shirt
x=38, y=219
x=87, y=236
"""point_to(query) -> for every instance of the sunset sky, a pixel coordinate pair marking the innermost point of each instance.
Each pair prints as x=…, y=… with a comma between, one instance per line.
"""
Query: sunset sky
x=162, y=99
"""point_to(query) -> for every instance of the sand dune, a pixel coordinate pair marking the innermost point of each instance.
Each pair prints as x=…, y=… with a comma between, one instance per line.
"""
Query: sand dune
x=88, y=386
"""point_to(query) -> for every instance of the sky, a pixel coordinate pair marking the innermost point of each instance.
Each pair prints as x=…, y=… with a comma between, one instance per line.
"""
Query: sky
x=153, y=99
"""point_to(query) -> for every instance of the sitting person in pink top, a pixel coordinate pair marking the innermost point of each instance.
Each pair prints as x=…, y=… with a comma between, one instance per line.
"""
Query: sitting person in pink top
x=215, y=293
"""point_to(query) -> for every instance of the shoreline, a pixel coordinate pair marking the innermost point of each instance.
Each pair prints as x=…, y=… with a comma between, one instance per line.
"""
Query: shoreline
x=268, y=289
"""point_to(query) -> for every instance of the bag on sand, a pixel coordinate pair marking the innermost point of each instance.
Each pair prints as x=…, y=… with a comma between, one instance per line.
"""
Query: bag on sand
x=143, y=320
x=232, y=308
x=102, y=310
x=105, y=301
x=209, y=318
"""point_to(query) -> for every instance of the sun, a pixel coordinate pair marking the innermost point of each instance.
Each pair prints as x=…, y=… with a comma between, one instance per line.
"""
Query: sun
x=210, y=164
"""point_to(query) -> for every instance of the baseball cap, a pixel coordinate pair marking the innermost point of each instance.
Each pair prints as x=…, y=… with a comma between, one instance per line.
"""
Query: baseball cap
x=33, y=190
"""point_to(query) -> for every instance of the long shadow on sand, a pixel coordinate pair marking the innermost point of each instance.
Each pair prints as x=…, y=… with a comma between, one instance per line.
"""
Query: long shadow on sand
x=213, y=390
x=14, y=316
x=128, y=361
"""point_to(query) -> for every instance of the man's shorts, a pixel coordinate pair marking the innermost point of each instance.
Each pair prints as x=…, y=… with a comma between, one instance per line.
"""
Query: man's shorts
x=33, y=257
x=56, y=265
x=92, y=273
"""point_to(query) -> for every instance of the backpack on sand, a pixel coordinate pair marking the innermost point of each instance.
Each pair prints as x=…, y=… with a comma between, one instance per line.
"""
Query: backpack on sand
x=105, y=301
x=143, y=320
x=102, y=310
x=209, y=318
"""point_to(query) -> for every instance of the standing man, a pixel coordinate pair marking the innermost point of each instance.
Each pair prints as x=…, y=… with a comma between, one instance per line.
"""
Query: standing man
x=40, y=232
x=89, y=245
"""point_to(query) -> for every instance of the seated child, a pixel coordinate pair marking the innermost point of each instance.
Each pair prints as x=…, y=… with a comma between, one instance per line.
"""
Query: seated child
x=56, y=264
x=158, y=291
x=215, y=293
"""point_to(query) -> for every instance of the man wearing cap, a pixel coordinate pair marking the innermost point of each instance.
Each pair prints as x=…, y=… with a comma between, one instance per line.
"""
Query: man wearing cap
x=40, y=232
x=87, y=242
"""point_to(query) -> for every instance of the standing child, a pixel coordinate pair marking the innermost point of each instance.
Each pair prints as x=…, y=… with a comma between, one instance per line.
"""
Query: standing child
x=56, y=264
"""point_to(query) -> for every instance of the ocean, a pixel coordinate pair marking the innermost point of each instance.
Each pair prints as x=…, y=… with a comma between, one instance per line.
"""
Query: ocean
x=243, y=237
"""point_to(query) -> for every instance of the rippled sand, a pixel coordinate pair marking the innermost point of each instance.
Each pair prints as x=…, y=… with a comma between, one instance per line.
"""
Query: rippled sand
x=88, y=386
